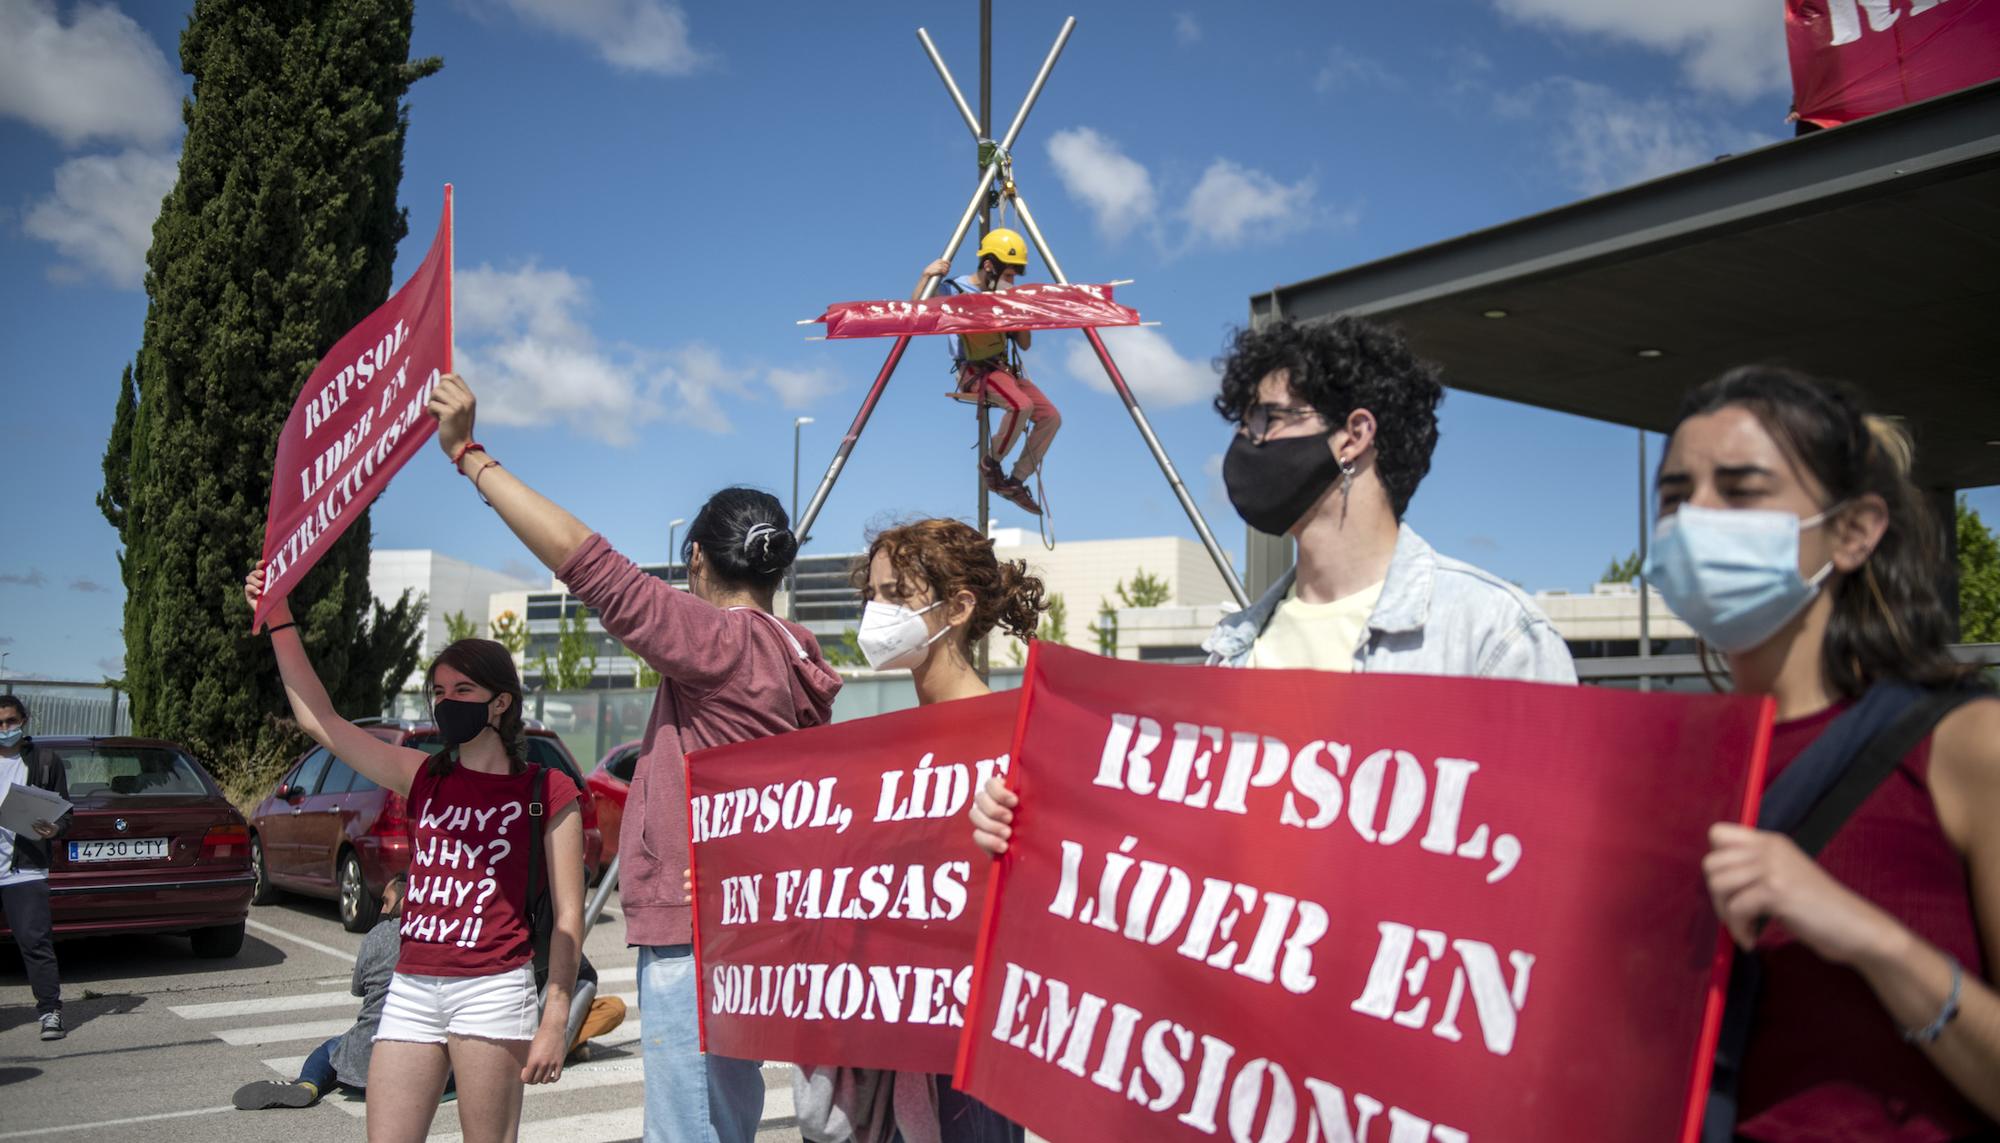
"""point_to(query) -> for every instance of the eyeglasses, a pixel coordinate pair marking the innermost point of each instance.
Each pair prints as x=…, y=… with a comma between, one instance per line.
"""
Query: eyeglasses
x=1260, y=419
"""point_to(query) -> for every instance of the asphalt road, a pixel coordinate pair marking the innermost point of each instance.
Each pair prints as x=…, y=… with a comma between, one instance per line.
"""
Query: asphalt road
x=159, y=1040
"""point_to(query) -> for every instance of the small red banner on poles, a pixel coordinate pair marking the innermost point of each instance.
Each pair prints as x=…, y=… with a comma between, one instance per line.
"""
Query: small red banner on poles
x=839, y=892
x=1023, y=307
x=1290, y=905
x=359, y=418
x=1852, y=58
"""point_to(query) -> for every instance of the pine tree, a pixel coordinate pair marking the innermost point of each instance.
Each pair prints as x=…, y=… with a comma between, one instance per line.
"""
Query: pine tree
x=279, y=235
x=1978, y=578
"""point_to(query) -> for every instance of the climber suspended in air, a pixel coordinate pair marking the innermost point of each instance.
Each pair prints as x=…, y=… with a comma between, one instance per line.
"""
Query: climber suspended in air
x=988, y=368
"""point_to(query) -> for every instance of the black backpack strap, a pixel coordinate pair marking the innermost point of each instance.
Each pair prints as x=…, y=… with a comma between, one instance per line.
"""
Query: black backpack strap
x=1873, y=765
x=538, y=873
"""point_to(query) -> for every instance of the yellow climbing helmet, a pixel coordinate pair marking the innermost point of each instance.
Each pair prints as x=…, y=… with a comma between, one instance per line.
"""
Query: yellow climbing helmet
x=1004, y=245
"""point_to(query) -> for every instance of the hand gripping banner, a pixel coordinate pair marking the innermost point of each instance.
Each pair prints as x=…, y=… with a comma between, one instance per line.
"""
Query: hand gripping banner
x=1292, y=905
x=838, y=890
x=359, y=418
x=1023, y=307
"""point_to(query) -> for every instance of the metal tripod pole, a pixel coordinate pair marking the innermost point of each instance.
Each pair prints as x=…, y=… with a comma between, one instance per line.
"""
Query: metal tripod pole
x=1194, y=515
x=803, y=527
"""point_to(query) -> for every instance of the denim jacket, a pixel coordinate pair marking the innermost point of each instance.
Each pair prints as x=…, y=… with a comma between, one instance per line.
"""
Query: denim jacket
x=1436, y=616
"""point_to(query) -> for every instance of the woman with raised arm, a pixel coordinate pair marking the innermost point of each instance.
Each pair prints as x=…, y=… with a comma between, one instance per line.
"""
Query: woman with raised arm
x=729, y=671
x=462, y=1001
x=932, y=590
x=1792, y=540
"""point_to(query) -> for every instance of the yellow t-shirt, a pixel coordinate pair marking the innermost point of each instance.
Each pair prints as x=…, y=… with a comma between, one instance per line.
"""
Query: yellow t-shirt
x=1321, y=636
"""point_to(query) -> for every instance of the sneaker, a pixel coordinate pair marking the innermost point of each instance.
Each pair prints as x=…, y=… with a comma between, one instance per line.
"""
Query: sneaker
x=992, y=473
x=1016, y=493
x=52, y=1028
x=266, y=1094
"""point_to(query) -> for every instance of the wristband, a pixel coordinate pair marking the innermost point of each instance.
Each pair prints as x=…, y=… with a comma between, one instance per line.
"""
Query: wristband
x=468, y=446
x=1929, y=1033
x=279, y=627
x=490, y=463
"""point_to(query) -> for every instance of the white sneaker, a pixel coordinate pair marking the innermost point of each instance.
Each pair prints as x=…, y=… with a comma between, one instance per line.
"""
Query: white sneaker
x=52, y=1028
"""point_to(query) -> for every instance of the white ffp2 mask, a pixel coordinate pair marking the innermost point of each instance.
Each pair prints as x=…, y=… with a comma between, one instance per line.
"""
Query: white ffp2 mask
x=893, y=637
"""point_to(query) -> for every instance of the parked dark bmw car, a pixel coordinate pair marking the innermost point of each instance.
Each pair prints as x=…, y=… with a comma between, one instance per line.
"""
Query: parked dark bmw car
x=153, y=847
x=327, y=831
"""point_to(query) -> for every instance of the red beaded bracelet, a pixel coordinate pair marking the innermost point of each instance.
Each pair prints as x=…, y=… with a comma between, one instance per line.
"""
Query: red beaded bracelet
x=468, y=446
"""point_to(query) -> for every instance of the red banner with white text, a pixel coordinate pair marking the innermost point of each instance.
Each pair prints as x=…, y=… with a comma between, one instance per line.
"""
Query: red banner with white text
x=359, y=418
x=839, y=893
x=1023, y=307
x=1852, y=58
x=1293, y=905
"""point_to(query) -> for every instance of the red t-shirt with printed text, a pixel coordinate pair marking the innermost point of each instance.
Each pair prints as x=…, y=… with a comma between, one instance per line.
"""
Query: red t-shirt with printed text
x=466, y=909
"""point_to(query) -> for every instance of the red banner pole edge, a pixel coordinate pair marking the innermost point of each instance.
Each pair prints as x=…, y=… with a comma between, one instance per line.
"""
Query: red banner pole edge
x=995, y=878
x=694, y=872
x=450, y=268
x=1725, y=948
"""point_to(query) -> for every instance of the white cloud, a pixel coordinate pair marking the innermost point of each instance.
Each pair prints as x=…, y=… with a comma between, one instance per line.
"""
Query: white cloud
x=1345, y=68
x=524, y=344
x=100, y=215
x=1187, y=32
x=1605, y=141
x=1117, y=189
x=632, y=35
x=1233, y=204
x=1734, y=48
x=98, y=77
x=798, y=388
x=1157, y=373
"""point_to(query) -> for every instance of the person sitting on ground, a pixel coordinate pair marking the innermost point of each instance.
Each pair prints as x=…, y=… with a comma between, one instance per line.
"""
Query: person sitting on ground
x=343, y=1059
x=982, y=357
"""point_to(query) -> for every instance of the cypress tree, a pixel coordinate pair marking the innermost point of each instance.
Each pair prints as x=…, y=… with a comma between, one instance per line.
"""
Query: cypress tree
x=279, y=235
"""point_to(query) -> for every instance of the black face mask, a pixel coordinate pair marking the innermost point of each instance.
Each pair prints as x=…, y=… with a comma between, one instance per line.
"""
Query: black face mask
x=460, y=721
x=1274, y=483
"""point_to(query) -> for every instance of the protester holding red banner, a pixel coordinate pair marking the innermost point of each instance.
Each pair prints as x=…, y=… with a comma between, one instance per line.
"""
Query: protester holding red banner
x=1335, y=422
x=1792, y=539
x=729, y=671
x=932, y=590
x=462, y=1002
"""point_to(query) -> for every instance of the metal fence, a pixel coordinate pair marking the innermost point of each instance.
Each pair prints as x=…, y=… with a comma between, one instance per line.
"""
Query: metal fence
x=73, y=708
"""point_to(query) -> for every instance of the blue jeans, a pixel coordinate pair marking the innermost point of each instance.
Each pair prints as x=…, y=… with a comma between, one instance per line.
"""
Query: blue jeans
x=318, y=1068
x=690, y=1098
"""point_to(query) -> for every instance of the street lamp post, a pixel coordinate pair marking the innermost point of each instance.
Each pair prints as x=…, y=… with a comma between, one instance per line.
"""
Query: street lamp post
x=792, y=573
x=673, y=553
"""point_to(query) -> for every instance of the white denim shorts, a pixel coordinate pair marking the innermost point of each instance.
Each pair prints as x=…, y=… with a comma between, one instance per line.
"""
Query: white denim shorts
x=423, y=1009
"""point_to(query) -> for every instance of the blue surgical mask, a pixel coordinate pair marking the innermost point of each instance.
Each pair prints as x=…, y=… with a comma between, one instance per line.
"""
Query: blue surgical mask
x=1733, y=574
x=11, y=737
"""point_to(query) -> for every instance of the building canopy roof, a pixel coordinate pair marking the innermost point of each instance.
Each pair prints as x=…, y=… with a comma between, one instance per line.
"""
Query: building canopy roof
x=1869, y=252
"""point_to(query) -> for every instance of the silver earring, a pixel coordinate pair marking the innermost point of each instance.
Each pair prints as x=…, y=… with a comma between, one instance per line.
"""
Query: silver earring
x=1346, y=477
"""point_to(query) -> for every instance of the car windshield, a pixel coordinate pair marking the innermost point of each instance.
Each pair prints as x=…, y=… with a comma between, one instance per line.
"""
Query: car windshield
x=130, y=770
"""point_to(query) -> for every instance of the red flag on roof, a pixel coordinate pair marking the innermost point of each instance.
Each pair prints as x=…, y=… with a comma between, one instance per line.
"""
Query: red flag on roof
x=1852, y=58
x=1023, y=307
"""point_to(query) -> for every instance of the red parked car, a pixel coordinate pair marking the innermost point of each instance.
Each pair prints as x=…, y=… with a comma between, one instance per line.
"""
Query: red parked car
x=153, y=847
x=327, y=831
x=608, y=785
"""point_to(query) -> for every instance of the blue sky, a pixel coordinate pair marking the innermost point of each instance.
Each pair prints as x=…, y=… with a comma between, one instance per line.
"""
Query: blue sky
x=650, y=195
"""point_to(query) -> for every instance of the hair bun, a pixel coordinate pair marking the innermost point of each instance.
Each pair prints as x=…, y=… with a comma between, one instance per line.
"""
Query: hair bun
x=770, y=548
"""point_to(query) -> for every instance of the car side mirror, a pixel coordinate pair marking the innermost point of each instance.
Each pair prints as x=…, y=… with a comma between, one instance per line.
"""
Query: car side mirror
x=292, y=794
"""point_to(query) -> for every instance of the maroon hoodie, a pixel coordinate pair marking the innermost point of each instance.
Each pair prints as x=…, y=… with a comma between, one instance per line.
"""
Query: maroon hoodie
x=727, y=674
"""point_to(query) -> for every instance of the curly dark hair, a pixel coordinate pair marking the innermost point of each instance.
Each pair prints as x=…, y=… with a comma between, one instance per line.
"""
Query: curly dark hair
x=950, y=556
x=1889, y=619
x=1337, y=365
